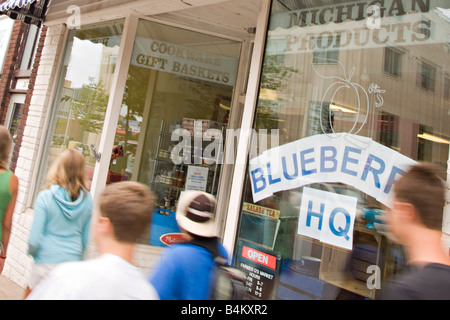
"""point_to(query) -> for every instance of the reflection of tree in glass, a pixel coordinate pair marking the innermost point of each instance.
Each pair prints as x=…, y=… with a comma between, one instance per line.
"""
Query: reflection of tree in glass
x=89, y=106
x=274, y=74
x=134, y=98
x=136, y=90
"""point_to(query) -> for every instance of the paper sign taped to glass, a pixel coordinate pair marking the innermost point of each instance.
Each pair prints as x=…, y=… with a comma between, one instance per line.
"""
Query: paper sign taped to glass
x=328, y=217
x=356, y=161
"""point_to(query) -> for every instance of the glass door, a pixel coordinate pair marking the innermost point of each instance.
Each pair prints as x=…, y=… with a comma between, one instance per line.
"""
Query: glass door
x=173, y=118
x=83, y=94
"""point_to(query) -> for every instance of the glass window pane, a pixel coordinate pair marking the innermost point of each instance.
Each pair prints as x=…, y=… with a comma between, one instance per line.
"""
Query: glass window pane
x=84, y=90
x=174, y=115
x=29, y=50
x=392, y=62
x=351, y=101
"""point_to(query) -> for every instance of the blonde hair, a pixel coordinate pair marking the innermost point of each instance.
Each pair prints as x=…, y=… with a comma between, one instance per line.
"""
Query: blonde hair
x=68, y=172
x=5, y=147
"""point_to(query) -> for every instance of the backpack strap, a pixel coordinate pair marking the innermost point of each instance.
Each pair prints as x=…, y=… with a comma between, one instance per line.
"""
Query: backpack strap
x=210, y=244
x=220, y=261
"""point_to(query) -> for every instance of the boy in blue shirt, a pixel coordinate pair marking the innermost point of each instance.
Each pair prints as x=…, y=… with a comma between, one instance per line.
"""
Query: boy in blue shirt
x=185, y=270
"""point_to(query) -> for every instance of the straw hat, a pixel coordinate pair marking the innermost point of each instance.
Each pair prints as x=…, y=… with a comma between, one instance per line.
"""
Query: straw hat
x=195, y=213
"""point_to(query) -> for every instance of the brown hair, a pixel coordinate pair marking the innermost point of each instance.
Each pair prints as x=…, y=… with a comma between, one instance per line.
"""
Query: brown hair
x=5, y=147
x=68, y=171
x=421, y=187
x=128, y=205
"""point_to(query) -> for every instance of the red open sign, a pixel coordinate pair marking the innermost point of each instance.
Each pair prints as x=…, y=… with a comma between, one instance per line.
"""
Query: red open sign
x=259, y=257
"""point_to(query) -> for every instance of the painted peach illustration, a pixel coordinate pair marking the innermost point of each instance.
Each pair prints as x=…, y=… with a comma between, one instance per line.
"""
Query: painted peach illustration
x=356, y=91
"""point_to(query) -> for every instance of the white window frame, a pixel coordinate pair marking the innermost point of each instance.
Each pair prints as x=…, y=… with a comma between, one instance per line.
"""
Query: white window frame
x=399, y=68
x=15, y=98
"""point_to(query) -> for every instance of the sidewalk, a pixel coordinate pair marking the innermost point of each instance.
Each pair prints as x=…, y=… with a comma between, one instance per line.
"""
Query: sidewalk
x=10, y=290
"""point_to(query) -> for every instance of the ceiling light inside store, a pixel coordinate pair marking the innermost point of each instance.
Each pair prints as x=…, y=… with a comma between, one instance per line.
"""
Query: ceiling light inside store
x=432, y=138
x=342, y=109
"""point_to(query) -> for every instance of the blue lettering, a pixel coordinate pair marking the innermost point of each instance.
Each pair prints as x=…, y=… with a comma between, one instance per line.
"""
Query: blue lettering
x=255, y=180
x=331, y=158
x=341, y=232
x=306, y=161
x=285, y=173
x=347, y=159
x=269, y=173
x=376, y=172
x=395, y=170
x=315, y=214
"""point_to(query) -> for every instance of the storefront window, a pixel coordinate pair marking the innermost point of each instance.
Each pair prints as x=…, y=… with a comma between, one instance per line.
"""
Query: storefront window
x=350, y=98
x=174, y=115
x=84, y=90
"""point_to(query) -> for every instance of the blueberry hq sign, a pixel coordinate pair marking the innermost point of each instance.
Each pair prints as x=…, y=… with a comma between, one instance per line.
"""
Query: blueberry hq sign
x=327, y=217
x=338, y=158
x=353, y=160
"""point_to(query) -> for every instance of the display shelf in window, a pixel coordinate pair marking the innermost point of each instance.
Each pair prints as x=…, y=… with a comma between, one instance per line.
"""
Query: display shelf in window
x=348, y=269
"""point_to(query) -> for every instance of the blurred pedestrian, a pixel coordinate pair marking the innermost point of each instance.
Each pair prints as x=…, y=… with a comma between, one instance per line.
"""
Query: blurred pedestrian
x=62, y=216
x=124, y=213
x=9, y=185
x=185, y=271
x=415, y=221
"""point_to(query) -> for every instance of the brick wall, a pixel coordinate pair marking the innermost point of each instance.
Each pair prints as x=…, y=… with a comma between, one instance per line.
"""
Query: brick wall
x=18, y=263
x=26, y=106
x=9, y=66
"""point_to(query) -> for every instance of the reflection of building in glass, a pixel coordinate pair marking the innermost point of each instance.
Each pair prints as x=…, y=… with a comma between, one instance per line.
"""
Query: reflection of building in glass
x=388, y=84
x=327, y=71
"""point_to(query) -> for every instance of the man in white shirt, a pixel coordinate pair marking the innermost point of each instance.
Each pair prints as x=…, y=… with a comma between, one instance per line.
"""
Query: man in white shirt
x=124, y=213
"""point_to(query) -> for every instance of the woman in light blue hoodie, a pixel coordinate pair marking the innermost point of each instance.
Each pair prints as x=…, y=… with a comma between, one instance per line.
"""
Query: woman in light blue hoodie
x=62, y=216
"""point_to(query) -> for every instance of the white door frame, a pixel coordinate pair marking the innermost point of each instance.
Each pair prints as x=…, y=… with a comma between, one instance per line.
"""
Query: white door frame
x=240, y=169
x=114, y=105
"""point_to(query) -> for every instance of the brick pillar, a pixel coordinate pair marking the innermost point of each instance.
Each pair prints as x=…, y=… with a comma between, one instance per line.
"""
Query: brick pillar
x=51, y=47
x=9, y=66
x=26, y=106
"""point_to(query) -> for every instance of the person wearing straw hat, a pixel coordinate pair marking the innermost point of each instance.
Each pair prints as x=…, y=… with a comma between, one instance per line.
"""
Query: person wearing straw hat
x=185, y=269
